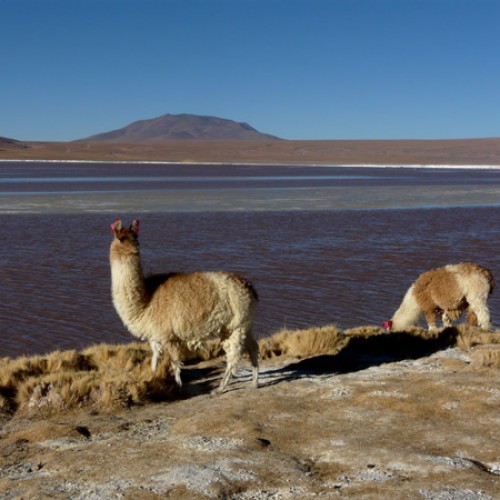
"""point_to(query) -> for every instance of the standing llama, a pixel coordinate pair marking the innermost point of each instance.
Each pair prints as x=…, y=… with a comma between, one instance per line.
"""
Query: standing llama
x=446, y=291
x=170, y=310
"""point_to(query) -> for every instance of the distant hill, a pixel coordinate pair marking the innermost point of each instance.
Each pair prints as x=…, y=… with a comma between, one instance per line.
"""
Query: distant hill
x=6, y=143
x=183, y=127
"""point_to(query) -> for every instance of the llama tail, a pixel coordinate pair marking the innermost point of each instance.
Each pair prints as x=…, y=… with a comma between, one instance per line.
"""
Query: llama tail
x=489, y=278
x=408, y=312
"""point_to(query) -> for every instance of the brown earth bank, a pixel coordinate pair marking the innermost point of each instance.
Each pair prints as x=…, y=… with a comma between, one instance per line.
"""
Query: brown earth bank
x=354, y=414
x=420, y=152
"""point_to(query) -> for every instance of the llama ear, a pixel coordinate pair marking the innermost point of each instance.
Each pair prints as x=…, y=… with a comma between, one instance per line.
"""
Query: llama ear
x=135, y=226
x=116, y=226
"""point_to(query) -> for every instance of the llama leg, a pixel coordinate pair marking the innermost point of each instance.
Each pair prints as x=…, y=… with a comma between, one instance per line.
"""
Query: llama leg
x=471, y=317
x=481, y=313
x=233, y=347
x=451, y=315
x=446, y=319
x=175, y=362
x=431, y=318
x=157, y=349
x=253, y=350
x=176, y=368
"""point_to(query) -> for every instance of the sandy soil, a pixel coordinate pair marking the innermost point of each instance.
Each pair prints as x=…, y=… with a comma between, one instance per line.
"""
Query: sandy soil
x=353, y=426
x=460, y=152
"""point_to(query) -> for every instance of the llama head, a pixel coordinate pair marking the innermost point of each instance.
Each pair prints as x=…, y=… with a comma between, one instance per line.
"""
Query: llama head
x=121, y=233
x=387, y=324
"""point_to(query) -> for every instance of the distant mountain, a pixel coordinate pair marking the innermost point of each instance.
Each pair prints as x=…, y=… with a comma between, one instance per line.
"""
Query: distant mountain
x=183, y=127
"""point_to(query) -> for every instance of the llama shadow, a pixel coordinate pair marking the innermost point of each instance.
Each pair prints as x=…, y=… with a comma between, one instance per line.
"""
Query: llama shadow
x=360, y=353
x=197, y=381
x=363, y=353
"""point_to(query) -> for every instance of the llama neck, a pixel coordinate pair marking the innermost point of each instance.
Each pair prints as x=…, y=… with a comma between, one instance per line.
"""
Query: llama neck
x=129, y=292
x=408, y=312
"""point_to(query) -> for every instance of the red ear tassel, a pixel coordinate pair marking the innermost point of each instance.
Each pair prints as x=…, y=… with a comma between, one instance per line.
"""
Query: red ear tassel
x=135, y=225
x=113, y=226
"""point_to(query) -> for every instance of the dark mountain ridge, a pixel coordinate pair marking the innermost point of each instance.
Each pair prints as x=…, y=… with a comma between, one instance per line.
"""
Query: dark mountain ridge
x=183, y=127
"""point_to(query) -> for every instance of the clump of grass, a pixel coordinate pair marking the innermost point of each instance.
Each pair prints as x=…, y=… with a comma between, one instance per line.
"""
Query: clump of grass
x=469, y=337
x=303, y=343
x=134, y=358
x=103, y=377
x=484, y=346
x=486, y=356
x=370, y=331
x=364, y=331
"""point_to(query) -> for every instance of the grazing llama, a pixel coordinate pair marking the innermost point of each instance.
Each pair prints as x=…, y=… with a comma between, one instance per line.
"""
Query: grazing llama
x=446, y=291
x=170, y=310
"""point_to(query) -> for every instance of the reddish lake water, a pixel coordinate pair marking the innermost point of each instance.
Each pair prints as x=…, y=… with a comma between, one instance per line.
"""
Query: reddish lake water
x=321, y=245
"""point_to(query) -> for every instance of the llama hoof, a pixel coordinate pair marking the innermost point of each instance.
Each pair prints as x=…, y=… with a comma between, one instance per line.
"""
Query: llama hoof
x=216, y=392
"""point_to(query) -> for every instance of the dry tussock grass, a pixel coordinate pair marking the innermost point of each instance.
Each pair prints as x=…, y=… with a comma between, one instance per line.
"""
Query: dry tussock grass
x=108, y=377
x=370, y=331
x=483, y=346
x=486, y=357
x=303, y=343
x=103, y=377
x=469, y=337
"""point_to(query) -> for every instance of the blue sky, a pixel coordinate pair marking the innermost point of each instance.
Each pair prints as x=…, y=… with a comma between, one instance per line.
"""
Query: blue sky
x=298, y=69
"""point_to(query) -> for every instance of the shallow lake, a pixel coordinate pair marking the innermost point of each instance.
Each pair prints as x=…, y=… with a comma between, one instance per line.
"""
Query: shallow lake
x=322, y=245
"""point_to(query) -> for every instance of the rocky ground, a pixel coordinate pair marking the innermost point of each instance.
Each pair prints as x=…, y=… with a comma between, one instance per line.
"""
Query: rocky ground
x=423, y=426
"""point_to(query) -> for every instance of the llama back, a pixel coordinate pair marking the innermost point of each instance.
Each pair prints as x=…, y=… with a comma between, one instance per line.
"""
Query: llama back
x=469, y=269
x=200, y=304
x=439, y=287
x=237, y=292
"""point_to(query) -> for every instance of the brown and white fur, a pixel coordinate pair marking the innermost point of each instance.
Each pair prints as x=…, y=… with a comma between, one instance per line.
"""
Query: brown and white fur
x=182, y=309
x=447, y=291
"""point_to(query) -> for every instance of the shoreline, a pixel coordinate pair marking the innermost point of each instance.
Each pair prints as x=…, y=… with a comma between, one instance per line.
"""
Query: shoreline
x=269, y=164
